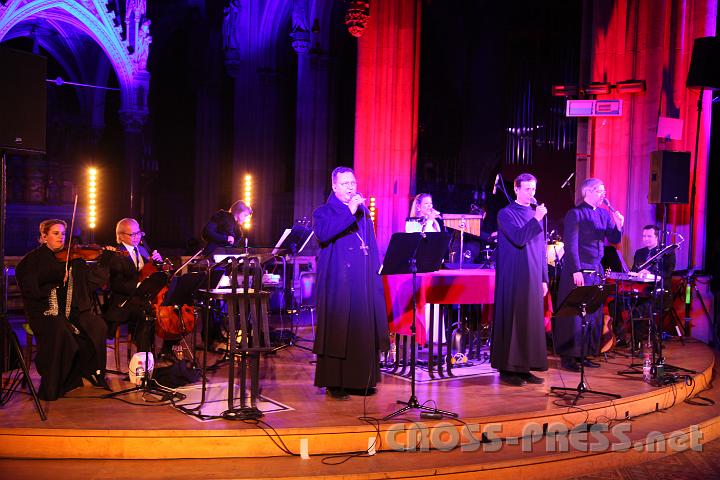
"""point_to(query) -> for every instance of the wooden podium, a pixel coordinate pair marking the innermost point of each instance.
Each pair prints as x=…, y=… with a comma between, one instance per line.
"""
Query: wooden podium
x=464, y=223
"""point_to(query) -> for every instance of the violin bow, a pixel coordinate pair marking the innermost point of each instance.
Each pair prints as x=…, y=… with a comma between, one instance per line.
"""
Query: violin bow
x=72, y=228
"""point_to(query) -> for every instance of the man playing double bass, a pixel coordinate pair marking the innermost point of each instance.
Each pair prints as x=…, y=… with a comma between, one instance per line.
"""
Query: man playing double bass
x=124, y=279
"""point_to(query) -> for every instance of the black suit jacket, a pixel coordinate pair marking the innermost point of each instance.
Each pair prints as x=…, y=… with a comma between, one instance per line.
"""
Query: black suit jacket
x=123, y=282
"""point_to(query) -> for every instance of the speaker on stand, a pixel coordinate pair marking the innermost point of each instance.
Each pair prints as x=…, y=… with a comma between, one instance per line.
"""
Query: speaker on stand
x=23, y=100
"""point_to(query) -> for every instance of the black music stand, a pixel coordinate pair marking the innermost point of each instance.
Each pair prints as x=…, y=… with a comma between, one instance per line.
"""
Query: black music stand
x=583, y=301
x=415, y=253
x=292, y=243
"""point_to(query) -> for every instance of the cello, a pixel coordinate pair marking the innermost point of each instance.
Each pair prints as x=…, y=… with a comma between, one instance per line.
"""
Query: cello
x=172, y=322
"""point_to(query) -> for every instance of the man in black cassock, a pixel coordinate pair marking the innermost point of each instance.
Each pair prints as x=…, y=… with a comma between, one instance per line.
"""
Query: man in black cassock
x=352, y=320
x=587, y=226
x=521, y=283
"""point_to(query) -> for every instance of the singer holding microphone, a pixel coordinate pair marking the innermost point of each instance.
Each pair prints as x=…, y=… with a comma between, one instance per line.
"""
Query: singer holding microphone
x=521, y=282
x=352, y=322
x=423, y=217
x=587, y=226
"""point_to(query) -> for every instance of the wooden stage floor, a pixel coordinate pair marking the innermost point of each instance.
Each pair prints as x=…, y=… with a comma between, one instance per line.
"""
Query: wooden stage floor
x=109, y=437
x=287, y=378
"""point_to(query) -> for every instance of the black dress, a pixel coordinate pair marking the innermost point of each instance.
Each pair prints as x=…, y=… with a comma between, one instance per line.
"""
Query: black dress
x=518, y=337
x=68, y=348
x=352, y=318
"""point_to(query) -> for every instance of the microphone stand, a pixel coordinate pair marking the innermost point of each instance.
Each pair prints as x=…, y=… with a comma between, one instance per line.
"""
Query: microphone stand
x=659, y=365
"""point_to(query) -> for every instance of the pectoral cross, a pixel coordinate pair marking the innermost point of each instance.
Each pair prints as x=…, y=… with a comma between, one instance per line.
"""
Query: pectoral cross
x=363, y=245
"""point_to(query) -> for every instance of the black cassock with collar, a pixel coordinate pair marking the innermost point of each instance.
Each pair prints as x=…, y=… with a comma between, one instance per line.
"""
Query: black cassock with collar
x=352, y=323
x=586, y=230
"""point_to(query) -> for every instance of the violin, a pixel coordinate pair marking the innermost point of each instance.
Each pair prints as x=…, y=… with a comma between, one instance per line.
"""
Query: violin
x=89, y=253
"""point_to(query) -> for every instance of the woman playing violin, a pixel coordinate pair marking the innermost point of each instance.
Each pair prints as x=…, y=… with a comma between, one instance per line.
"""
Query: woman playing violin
x=70, y=338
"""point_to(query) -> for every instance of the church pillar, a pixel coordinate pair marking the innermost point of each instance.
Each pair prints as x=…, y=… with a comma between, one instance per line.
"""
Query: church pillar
x=315, y=118
x=133, y=122
x=387, y=111
x=262, y=122
x=207, y=182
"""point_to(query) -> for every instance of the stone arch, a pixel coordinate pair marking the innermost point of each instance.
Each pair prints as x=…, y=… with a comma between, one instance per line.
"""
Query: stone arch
x=92, y=18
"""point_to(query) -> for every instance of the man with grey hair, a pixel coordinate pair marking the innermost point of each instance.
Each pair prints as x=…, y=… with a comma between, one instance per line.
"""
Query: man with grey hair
x=587, y=226
x=124, y=276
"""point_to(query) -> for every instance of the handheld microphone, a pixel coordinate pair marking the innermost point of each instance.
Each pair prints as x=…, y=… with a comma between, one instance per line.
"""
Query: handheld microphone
x=497, y=178
x=610, y=207
x=567, y=182
x=435, y=212
x=533, y=203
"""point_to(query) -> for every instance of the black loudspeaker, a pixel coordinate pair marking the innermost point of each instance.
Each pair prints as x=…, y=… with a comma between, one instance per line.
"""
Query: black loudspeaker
x=705, y=64
x=23, y=101
x=669, y=177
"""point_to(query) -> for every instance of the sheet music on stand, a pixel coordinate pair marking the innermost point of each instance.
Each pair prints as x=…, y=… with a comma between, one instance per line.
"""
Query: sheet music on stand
x=291, y=238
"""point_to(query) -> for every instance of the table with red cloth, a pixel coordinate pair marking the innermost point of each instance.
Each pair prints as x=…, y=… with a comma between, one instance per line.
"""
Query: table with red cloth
x=444, y=287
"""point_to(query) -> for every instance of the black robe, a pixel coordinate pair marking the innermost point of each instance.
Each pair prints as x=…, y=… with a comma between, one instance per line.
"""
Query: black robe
x=518, y=336
x=63, y=357
x=352, y=322
x=586, y=229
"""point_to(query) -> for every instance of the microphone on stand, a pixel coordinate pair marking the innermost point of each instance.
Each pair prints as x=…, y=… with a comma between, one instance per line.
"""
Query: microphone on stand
x=567, y=182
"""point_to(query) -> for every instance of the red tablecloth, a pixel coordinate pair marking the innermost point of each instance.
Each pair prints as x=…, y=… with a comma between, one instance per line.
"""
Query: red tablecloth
x=472, y=286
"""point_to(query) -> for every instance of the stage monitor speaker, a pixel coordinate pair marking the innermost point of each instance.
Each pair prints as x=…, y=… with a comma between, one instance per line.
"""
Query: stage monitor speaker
x=704, y=69
x=23, y=100
x=669, y=177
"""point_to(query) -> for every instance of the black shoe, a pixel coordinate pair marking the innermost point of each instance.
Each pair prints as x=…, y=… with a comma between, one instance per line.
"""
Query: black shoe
x=590, y=364
x=622, y=343
x=337, y=393
x=98, y=380
x=530, y=378
x=569, y=364
x=512, y=379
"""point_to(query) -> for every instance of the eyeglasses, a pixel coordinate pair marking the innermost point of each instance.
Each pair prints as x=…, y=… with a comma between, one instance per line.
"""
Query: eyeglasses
x=134, y=234
x=349, y=184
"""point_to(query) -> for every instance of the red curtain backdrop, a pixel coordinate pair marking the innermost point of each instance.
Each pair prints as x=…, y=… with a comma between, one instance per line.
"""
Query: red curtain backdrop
x=651, y=41
x=387, y=111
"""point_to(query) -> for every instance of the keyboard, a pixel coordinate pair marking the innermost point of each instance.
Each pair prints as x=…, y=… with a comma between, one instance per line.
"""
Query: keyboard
x=627, y=277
